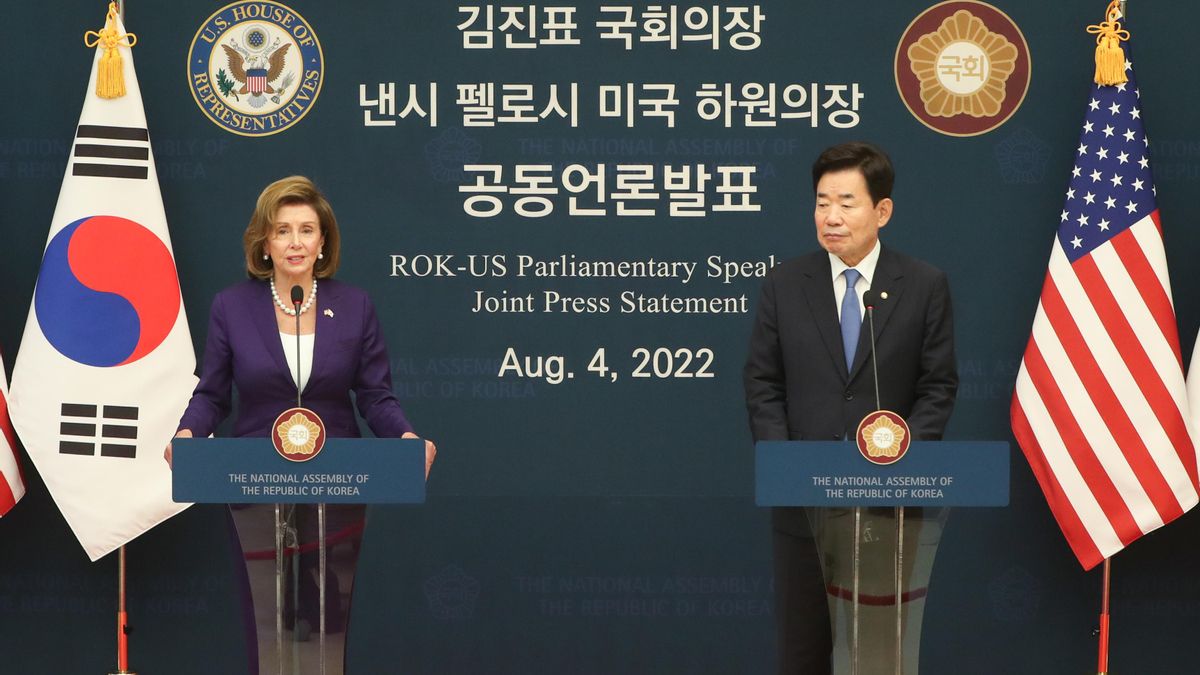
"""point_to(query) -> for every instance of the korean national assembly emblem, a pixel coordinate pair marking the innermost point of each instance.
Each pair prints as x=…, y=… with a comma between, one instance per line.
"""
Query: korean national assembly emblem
x=255, y=68
x=962, y=68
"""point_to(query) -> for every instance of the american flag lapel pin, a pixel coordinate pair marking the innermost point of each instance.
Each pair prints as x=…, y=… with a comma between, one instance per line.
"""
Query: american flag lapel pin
x=329, y=313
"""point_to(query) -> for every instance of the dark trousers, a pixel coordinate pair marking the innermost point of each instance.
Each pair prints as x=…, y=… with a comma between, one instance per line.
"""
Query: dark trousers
x=801, y=610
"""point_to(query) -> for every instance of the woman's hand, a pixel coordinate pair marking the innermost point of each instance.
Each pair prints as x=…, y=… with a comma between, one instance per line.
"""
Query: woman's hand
x=430, y=451
x=187, y=433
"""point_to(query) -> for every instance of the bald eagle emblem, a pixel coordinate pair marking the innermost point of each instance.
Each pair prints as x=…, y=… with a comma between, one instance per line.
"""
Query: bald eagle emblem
x=256, y=65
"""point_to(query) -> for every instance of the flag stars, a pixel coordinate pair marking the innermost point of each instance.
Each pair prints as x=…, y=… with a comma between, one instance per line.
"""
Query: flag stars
x=1116, y=179
x=1109, y=203
x=1089, y=198
x=1108, y=131
x=1128, y=64
x=1103, y=225
x=1077, y=242
x=1129, y=135
x=1082, y=149
x=1123, y=158
x=1082, y=220
x=1095, y=176
x=1137, y=185
x=1102, y=153
x=1070, y=193
x=1143, y=162
x=1087, y=128
x=1131, y=207
x=1120, y=86
x=1075, y=172
x=1094, y=104
x=1135, y=113
x=1063, y=218
x=1114, y=108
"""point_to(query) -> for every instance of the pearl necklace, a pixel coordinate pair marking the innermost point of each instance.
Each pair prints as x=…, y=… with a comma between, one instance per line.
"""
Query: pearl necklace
x=312, y=295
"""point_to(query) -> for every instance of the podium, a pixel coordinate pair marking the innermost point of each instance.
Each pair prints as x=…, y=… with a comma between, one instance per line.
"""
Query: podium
x=276, y=503
x=877, y=565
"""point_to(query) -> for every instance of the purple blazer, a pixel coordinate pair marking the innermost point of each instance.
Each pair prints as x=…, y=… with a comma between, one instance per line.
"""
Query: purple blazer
x=244, y=349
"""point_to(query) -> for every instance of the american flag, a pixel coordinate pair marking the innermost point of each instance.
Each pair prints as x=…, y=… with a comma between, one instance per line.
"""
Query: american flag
x=12, y=486
x=1100, y=406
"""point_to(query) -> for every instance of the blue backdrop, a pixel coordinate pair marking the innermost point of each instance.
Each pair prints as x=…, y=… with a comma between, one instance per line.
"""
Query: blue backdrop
x=595, y=525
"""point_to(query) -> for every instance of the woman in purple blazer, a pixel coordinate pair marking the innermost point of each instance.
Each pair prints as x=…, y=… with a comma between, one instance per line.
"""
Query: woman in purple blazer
x=293, y=240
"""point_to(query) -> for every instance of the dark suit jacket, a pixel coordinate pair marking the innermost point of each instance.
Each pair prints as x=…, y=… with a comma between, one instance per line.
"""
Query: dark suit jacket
x=797, y=386
x=244, y=349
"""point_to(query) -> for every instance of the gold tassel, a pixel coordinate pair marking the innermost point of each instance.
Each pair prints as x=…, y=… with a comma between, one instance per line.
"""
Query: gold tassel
x=1110, y=58
x=110, y=80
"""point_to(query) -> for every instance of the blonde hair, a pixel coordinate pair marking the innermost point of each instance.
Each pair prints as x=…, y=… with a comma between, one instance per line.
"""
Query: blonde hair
x=284, y=192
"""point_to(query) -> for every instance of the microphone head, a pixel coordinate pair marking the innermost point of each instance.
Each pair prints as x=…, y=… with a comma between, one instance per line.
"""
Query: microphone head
x=297, y=295
x=870, y=298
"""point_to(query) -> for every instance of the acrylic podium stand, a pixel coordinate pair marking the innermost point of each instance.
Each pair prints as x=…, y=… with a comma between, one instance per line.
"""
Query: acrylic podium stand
x=275, y=502
x=877, y=551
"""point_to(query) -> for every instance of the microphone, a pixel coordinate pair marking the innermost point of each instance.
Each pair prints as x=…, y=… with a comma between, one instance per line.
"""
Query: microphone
x=297, y=298
x=870, y=299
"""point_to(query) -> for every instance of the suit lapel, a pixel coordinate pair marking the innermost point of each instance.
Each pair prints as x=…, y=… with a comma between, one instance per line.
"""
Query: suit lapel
x=889, y=279
x=328, y=328
x=263, y=310
x=818, y=291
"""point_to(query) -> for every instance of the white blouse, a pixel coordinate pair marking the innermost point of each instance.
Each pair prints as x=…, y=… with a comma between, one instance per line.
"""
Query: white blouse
x=306, y=355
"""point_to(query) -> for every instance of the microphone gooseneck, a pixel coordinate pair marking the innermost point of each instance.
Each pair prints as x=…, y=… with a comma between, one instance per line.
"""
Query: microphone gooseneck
x=297, y=298
x=869, y=302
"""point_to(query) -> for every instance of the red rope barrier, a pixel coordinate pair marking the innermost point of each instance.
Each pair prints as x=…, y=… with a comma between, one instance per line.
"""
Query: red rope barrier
x=330, y=541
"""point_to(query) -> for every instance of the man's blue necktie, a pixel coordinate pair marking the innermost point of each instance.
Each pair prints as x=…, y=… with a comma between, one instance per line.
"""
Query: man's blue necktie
x=851, y=317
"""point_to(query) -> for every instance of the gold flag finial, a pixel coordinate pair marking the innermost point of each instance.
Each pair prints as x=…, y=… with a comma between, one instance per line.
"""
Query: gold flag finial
x=1110, y=58
x=110, y=81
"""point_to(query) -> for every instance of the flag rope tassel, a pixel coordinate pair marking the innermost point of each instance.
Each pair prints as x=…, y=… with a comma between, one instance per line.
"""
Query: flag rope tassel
x=1102, y=665
x=1110, y=58
x=110, y=79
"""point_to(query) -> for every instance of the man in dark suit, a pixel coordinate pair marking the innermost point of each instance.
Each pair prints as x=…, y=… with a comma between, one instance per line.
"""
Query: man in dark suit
x=808, y=375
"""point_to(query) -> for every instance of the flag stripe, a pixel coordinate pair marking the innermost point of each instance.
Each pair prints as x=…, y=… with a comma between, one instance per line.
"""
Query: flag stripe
x=1071, y=491
x=1095, y=356
x=114, y=133
x=1077, y=534
x=78, y=410
x=1134, y=251
x=110, y=171
x=113, y=450
x=118, y=431
x=1163, y=346
x=7, y=498
x=112, y=151
x=77, y=429
x=1161, y=416
x=121, y=412
x=1096, y=471
x=76, y=448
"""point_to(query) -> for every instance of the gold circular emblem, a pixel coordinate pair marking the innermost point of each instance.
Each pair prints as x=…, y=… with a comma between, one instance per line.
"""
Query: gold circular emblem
x=962, y=67
x=299, y=434
x=883, y=437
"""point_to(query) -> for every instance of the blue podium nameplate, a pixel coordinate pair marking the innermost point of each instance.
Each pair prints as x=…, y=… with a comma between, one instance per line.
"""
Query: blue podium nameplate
x=932, y=473
x=346, y=471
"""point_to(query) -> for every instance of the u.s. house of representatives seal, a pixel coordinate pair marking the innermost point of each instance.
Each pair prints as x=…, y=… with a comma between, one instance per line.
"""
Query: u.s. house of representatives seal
x=883, y=437
x=962, y=67
x=299, y=434
x=255, y=68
